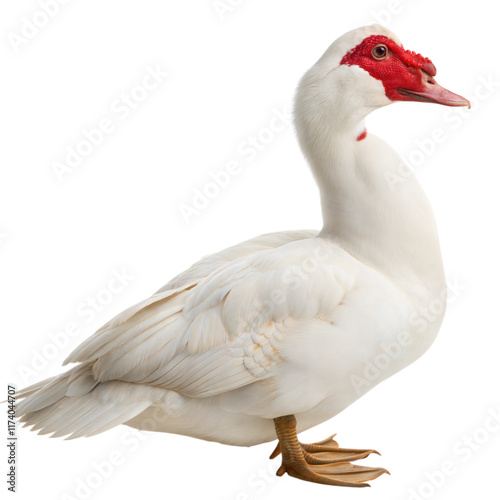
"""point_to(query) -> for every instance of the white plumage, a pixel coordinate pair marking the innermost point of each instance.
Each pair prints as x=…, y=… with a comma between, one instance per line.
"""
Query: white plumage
x=281, y=324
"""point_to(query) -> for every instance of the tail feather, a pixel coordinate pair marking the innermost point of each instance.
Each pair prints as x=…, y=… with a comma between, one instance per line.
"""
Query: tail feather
x=75, y=405
x=48, y=394
x=37, y=418
x=109, y=417
x=56, y=420
x=76, y=420
x=28, y=391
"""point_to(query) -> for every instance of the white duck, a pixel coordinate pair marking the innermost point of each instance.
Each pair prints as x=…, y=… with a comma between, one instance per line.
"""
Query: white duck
x=271, y=337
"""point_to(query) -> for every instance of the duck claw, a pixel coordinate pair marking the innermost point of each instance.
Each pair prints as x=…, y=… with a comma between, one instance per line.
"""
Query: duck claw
x=276, y=452
x=322, y=462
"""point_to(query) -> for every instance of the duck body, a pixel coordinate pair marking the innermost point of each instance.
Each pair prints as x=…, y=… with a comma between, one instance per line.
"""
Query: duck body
x=297, y=323
x=343, y=325
x=324, y=353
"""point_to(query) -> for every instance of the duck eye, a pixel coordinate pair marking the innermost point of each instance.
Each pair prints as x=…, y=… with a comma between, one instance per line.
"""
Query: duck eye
x=380, y=52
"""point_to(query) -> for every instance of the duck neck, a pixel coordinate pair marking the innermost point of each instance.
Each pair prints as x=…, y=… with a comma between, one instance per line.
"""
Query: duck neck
x=379, y=217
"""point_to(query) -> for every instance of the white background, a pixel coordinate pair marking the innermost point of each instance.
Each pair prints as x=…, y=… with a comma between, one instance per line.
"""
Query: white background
x=119, y=209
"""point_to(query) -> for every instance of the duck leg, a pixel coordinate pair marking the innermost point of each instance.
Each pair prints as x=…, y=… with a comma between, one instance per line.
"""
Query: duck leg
x=323, y=462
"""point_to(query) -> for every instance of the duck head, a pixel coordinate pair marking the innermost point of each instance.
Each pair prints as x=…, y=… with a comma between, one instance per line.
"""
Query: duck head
x=365, y=69
x=405, y=75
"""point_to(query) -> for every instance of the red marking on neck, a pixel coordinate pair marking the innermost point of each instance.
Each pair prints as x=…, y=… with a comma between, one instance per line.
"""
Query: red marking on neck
x=401, y=69
x=362, y=135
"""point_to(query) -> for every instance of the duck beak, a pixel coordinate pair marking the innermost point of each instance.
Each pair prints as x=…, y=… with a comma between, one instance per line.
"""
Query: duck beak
x=433, y=92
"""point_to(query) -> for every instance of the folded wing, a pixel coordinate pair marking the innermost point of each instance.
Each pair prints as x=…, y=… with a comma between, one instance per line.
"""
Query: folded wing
x=223, y=331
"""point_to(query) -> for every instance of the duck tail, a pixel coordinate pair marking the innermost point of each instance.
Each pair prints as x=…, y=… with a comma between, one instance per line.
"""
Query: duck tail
x=74, y=404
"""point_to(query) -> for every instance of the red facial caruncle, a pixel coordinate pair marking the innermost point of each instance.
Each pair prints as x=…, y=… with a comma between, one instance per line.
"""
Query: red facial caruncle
x=406, y=76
